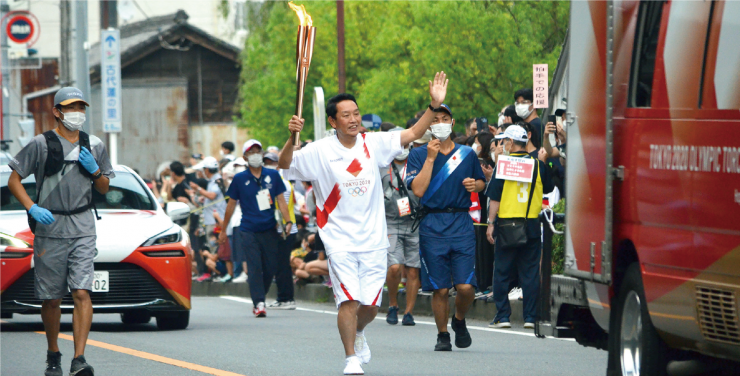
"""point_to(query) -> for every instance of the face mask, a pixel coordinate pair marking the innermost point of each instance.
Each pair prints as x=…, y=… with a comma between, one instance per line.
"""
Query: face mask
x=221, y=152
x=559, y=121
x=403, y=155
x=476, y=149
x=523, y=111
x=254, y=160
x=506, y=152
x=441, y=131
x=270, y=167
x=73, y=120
x=501, y=120
x=493, y=156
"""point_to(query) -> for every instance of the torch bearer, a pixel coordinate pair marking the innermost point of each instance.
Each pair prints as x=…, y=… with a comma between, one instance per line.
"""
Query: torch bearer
x=304, y=52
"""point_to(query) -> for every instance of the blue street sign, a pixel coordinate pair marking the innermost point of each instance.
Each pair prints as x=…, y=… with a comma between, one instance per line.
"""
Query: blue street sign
x=110, y=79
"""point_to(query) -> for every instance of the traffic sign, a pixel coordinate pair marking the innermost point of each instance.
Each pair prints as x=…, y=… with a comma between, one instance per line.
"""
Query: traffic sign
x=22, y=27
x=110, y=77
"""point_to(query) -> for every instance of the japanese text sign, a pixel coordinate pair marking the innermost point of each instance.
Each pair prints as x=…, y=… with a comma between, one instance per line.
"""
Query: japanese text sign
x=539, y=85
x=110, y=79
x=515, y=168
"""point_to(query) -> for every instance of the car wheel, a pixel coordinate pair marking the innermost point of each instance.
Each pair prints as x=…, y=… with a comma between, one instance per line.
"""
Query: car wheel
x=635, y=346
x=173, y=320
x=136, y=317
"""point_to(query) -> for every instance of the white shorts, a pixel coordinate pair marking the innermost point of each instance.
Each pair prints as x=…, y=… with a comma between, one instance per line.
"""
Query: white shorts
x=358, y=276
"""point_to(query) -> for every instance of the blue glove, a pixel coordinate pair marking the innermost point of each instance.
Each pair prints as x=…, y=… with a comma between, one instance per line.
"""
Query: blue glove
x=88, y=161
x=41, y=215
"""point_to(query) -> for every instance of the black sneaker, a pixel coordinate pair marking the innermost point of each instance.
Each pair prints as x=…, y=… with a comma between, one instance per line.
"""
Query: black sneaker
x=53, y=364
x=443, y=342
x=408, y=320
x=462, y=336
x=392, y=316
x=80, y=367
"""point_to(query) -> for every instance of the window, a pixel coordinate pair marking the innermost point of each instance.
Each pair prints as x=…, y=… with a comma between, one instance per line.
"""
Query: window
x=643, y=54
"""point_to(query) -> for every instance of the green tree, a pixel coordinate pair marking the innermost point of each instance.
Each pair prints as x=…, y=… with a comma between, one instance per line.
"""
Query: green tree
x=392, y=50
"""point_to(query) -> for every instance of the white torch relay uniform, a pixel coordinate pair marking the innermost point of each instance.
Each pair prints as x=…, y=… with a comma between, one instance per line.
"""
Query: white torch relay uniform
x=350, y=211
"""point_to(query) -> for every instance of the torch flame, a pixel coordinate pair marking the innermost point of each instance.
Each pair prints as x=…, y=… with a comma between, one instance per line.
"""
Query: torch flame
x=303, y=16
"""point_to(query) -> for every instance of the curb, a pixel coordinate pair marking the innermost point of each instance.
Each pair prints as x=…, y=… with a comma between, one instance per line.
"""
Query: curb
x=317, y=293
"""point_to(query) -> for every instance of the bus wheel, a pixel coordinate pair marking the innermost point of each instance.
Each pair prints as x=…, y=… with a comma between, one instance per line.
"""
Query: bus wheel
x=640, y=351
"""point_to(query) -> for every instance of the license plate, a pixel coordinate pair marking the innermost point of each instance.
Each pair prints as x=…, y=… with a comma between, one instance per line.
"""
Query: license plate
x=100, y=283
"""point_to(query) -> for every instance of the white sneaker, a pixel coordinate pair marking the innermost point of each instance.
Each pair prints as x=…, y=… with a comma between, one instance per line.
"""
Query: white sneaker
x=515, y=293
x=353, y=366
x=362, y=350
x=282, y=305
x=242, y=278
x=528, y=325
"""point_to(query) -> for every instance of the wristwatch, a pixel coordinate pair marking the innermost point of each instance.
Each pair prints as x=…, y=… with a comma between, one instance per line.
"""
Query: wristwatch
x=98, y=175
x=434, y=109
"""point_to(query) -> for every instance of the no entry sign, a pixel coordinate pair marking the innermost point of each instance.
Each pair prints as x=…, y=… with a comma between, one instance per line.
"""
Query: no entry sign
x=22, y=27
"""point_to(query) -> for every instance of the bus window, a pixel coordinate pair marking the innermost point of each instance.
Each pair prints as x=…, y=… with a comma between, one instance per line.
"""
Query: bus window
x=643, y=56
x=721, y=67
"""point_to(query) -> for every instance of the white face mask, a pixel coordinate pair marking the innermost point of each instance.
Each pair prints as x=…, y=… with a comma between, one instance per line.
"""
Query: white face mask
x=221, y=152
x=270, y=167
x=501, y=120
x=559, y=121
x=255, y=160
x=404, y=155
x=493, y=156
x=73, y=120
x=476, y=149
x=522, y=110
x=441, y=131
x=506, y=152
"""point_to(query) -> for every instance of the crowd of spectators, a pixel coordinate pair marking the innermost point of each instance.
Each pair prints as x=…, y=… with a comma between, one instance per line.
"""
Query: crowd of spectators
x=203, y=185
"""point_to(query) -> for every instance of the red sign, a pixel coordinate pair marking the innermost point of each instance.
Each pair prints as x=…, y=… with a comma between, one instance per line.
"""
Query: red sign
x=22, y=27
x=515, y=168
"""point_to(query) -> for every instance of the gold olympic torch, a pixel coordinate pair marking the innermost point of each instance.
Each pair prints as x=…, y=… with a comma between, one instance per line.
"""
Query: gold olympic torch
x=304, y=52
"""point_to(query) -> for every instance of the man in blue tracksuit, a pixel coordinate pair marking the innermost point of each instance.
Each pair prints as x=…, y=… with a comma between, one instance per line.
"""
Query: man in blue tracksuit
x=444, y=174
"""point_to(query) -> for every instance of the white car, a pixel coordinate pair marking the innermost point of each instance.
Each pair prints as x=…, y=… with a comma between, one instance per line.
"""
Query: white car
x=142, y=261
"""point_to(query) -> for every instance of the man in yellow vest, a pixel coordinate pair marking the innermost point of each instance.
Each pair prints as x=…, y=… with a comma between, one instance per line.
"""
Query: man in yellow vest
x=284, y=276
x=511, y=199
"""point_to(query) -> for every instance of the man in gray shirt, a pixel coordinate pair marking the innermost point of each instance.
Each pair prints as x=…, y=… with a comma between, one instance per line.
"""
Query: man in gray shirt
x=403, y=253
x=214, y=201
x=65, y=237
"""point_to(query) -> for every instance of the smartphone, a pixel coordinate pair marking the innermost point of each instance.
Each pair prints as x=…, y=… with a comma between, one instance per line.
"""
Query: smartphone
x=483, y=162
x=551, y=136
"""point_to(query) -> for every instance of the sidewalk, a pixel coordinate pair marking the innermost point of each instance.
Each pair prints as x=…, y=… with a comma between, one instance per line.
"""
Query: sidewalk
x=480, y=310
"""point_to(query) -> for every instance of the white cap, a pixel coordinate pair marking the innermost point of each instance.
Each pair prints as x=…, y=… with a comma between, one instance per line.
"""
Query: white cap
x=207, y=162
x=248, y=145
x=425, y=138
x=515, y=133
x=273, y=149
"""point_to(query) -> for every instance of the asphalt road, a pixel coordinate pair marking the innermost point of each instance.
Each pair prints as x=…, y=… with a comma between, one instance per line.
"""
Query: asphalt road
x=224, y=339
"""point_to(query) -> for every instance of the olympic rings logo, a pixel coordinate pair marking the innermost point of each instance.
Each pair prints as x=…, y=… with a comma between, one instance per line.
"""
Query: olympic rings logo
x=357, y=191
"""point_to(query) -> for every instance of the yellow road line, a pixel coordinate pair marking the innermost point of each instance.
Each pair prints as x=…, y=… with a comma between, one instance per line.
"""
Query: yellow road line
x=156, y=358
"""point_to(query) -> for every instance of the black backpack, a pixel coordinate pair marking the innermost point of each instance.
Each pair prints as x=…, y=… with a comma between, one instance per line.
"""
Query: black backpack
x=54, y=163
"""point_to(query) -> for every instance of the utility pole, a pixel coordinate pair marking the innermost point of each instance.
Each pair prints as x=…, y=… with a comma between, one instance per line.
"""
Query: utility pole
x=5, y=78
x=74, y=67
x=340, y=46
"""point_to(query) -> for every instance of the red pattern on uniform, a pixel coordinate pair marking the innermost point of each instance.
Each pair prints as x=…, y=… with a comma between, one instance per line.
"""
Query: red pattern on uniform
x=346, y=292
x=355, y=167
x=367, y=152
x=377, y=296
x=322, y=216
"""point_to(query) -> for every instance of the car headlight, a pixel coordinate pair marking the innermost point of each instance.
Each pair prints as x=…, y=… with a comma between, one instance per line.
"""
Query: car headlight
x=11, y=241
x=173, y=235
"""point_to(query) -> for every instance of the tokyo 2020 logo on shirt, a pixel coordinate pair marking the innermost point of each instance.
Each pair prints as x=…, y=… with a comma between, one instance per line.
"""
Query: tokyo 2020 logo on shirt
x=357, y=191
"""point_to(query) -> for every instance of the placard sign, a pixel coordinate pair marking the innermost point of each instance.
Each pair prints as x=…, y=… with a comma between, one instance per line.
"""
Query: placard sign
x=539, y=85
x=515, y=168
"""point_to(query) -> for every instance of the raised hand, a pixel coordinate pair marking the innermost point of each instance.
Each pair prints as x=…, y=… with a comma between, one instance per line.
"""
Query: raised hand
x=438, y=89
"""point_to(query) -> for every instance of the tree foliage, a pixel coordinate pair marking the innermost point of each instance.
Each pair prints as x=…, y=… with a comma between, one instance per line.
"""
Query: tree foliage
x=393, y=48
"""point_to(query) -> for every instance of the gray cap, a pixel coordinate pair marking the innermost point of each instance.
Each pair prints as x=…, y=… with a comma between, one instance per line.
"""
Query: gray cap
x=271, y=156
x=68, y=95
